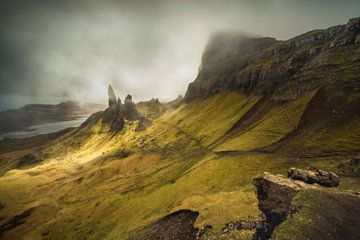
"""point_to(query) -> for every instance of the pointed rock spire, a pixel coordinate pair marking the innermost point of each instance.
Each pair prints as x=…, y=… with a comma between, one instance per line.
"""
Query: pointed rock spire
x=112, y=96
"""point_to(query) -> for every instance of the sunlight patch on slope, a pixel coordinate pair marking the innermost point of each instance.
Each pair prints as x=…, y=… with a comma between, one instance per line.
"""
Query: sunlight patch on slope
x=278, y=122
x=209, y=119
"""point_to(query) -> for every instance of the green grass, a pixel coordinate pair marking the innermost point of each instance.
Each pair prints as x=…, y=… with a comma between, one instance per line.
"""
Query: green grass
x=321, y=215
x=278, y=122
x=85, y=189
x=209, y=119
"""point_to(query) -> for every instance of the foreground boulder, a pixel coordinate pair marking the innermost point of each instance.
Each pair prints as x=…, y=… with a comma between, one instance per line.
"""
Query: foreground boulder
x=323, y=178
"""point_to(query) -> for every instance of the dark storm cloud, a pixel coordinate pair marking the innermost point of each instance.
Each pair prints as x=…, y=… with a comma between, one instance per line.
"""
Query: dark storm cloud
x=73, y=49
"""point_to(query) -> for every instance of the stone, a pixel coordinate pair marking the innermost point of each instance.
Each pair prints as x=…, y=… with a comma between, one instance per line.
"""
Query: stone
x=258, y=66
x=275, y=193
x=323, y=178
x=128, y=100
x=111, y=96
x=130, y=110
x=114, y=117
x=117, y=113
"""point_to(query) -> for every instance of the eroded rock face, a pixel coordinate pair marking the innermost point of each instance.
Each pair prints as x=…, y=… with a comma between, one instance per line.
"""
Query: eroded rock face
x=130, y=110
x=114, y=117
x=323, y=178
x=112, y=97
x=275, y=193
x=277, y=69
x=116, y=114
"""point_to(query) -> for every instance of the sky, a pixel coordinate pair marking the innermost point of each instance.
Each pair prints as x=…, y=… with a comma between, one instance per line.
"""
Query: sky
x=52, y=51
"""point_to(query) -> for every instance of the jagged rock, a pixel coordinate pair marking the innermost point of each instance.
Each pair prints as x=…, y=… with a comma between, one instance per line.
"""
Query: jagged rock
x=114, y=117
x=116, y=114
x=276, y=69
x=128, y=99
x=112, y=96
x=353, y=25
x=275, y=193
x=130, y=111
x=323, y=178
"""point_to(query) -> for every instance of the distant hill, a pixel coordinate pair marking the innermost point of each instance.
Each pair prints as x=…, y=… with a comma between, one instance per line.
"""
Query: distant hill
x=34, y=114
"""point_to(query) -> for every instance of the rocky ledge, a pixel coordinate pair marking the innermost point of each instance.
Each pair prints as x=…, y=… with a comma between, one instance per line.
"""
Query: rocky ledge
x=276, y=193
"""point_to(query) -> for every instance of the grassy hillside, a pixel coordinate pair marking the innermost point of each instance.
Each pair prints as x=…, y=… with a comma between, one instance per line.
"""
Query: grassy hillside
x=201, y=156
x=307, y=225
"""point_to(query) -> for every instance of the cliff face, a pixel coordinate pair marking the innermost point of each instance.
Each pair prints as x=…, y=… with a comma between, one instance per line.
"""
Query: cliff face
x=280, y=69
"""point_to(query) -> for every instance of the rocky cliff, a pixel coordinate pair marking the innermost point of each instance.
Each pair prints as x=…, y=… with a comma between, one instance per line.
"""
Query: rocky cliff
x=295, y=209
x=282, y=70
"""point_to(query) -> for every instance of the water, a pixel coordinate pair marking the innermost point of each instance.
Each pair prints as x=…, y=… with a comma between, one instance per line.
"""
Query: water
x=44, y=128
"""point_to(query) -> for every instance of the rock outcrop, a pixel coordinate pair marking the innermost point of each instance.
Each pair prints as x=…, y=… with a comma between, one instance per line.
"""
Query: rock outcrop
x=280, y=70
x=275, y=193
x=130, y=110
x=323, y=178
x=117, y=113
x=112, y=97
x=114, y=117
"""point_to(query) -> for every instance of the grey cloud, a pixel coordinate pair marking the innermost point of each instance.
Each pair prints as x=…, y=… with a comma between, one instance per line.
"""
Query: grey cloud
x=73, y=49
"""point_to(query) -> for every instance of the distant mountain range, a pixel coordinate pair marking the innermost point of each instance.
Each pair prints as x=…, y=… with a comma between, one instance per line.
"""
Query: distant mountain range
x=35, y=114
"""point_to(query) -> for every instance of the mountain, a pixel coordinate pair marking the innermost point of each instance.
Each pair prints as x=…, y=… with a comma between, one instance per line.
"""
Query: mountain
x=265, y=144
x=35, y=114
x=282, y=70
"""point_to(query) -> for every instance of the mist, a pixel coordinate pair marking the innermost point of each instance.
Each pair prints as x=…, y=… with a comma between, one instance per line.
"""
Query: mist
x=60, y=50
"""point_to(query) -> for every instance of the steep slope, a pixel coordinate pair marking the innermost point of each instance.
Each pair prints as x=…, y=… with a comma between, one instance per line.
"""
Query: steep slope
x=308, y=89
x=281, y=69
